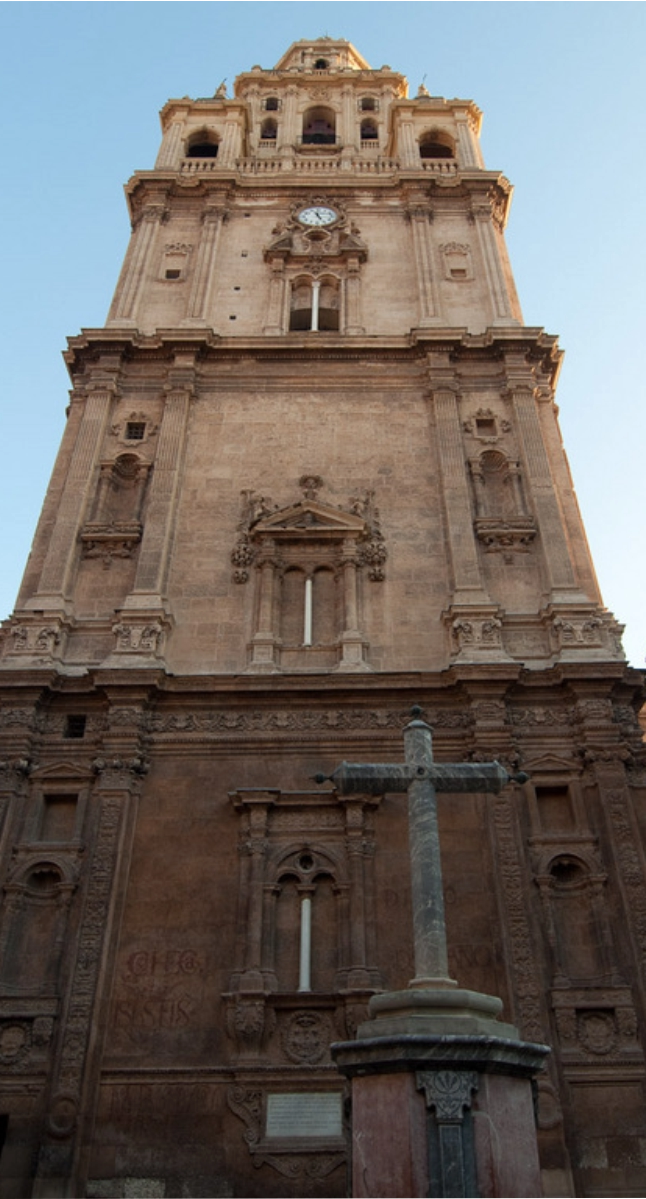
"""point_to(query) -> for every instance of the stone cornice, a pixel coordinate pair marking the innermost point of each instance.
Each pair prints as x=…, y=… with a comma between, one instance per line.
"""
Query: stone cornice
x=532, y=343
x=201, y=107
x=390, y=688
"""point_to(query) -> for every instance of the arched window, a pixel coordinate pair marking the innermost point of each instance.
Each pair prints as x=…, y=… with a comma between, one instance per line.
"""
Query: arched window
x=315, y=305
x=306, y=940
x=436, y=144
x=203, y=144
x=369, y=131
x=319, y=127
x=269, y=130
x=368, y=104
x=321, y=64
x=309, y=607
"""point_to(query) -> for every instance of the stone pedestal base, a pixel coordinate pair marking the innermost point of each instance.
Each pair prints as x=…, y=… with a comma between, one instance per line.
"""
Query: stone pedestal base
x=441, y=1100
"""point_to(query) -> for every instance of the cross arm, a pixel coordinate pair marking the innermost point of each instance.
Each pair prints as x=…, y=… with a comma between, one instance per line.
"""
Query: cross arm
x=352, y=778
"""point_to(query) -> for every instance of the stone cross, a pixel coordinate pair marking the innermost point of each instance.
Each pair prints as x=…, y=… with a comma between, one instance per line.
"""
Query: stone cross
x=423, y=778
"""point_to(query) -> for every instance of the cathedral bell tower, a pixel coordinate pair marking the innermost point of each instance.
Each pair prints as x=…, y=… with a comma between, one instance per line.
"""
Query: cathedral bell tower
x=312, y=475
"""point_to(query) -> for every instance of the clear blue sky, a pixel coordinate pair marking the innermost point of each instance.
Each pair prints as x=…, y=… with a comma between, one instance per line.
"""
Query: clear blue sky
x=561, y=86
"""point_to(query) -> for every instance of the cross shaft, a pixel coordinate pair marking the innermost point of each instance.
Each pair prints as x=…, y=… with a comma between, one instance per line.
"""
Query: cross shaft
x=422, y=778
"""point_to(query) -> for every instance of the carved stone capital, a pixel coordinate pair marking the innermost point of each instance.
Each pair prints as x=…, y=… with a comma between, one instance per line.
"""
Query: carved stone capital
x=448, y=1092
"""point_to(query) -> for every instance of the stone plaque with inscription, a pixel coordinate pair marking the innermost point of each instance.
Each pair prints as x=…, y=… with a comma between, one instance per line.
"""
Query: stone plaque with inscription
x=292, y=1114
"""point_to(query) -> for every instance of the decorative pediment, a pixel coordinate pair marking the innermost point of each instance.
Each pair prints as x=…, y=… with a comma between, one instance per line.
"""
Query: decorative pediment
x=310, y=517
x=547, y=764
x=309, y=520
x=61, y=772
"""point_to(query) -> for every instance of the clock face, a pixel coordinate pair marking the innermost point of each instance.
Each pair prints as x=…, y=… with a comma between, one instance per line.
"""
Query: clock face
x=317, y=217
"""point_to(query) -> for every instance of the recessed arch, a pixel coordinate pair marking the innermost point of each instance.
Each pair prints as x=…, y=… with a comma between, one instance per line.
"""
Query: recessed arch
x=202, y=144
x=269, y=129
x=319, y=126
x=369, y=130
x=436, y=143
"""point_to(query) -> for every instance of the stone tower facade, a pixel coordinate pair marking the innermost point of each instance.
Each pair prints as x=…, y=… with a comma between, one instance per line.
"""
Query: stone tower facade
x=311, y=475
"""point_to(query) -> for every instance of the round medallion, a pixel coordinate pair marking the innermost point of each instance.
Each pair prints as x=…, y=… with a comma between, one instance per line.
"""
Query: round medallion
x=317, y=217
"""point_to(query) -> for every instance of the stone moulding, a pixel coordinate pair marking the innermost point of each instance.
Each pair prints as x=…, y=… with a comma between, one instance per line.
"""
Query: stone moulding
x=516, y=534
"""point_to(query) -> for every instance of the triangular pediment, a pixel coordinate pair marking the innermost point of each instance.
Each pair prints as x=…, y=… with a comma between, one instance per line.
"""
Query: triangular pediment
x=547, y=764
x=61, y=772
x=310, y=517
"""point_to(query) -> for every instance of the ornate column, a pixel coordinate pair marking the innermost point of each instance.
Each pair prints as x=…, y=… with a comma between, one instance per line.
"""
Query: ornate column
x=361, y=914
x=288, y=131
x=170, y=151
x=198, y=303
x=407, y=146
x=353, y=323
x=73, y=1094
x=56, y=576
x=276, y=304
x=230, y=147
x=429, y=302
x=248, y=1021
x=137, y=265
x=525, y=398
x=469, y=155
x=316, y=296
x=256, y=846
x=305, y=892
x=485, y=213
x=348, y=131
x=270, y=892
x=608, y=771
x=264, y=642
x=352, y=641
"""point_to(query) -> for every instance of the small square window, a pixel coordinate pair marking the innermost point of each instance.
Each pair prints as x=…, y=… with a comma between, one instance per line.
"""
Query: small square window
x=458, y=272
x=173, y=274
x=75, y=726
x=135, y=430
